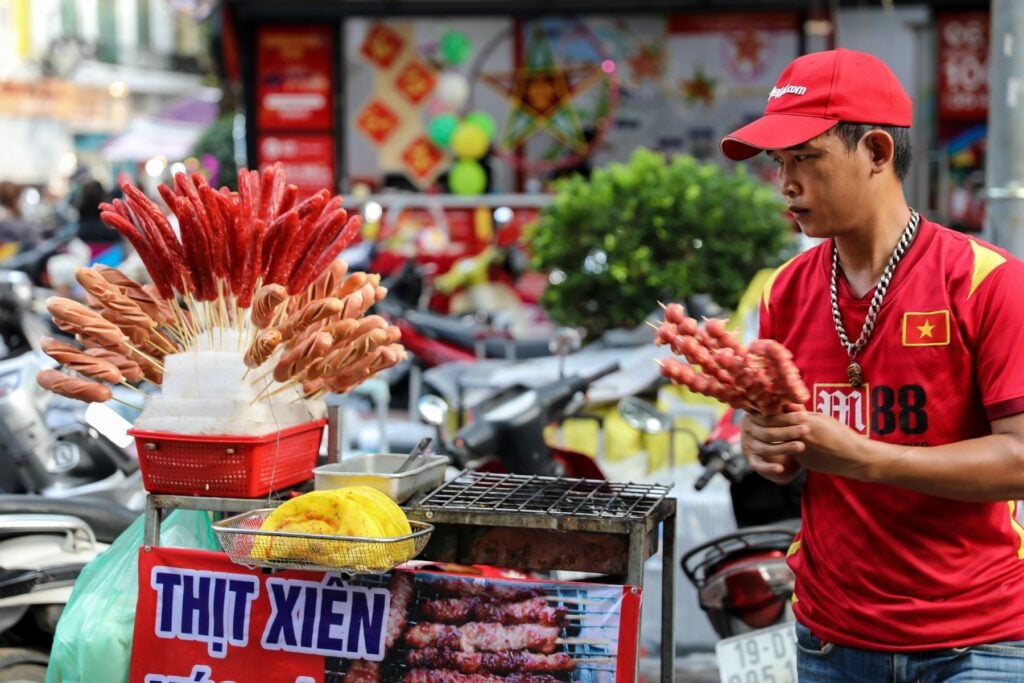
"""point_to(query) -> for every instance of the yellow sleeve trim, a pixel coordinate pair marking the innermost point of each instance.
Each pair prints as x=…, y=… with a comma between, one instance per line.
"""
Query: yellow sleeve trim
x=985, y=261
x=1017, y=528
x=766, y=292
x=793, y=549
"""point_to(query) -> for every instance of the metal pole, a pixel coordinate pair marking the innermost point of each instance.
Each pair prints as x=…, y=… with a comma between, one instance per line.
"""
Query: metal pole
x=1004, y=165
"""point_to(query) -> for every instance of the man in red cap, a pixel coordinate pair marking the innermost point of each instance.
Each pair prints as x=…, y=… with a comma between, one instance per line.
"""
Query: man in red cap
x=910, y=562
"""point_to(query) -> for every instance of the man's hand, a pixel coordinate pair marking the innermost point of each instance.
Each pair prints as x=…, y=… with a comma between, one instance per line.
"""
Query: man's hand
x=771, y=444
x=778, y=446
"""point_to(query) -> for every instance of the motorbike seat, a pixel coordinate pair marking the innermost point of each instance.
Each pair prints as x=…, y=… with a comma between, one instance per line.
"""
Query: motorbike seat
x=466, y=336
x=106, y=518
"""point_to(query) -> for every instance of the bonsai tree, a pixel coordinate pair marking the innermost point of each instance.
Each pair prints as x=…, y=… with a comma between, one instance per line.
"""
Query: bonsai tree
x=651, y=230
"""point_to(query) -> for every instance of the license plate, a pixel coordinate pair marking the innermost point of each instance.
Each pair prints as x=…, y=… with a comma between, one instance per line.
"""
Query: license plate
x=764, y=656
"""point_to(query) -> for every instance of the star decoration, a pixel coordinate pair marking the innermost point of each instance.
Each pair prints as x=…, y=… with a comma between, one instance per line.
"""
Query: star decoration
x=542, y=95
x=646, y=62
x=926, y=329
x=700, y=88
x=747, y=45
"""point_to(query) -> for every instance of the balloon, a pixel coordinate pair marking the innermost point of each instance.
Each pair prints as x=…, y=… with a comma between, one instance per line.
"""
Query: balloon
x=441, y=128
x=469, y=141
x=453, y=89
x=467, y=177
x=484, y=120
x=455, y=47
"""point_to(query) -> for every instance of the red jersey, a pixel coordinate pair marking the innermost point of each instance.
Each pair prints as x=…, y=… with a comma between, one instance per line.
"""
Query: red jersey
x=878, y=566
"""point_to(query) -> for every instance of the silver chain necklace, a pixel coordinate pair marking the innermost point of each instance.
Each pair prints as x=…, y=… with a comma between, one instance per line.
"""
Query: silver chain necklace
x=854, y=371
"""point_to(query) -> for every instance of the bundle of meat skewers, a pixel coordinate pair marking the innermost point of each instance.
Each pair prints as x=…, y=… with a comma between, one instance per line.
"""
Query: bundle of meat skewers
x=503, y=634
x=253, y=271
x=761, y=378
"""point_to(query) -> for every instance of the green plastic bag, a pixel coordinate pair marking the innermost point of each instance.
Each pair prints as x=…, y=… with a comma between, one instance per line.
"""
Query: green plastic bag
x=93, y=641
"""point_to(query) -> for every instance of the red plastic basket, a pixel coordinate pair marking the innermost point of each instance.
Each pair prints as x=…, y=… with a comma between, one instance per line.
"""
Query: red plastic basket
x=228, y=466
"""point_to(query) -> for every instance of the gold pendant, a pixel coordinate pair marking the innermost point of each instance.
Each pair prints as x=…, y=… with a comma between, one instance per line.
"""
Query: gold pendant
x=855, y=373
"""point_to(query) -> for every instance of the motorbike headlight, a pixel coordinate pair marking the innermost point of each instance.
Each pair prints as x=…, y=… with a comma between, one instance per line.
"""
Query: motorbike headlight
x=9, y=382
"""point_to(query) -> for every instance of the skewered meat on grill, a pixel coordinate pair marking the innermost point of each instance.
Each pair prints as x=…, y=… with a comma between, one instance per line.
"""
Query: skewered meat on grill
x=470, y=589
x=449, y=676
x=486, y=637
x=361, y=671
x=398, y=612
x=461, y=610
x=510, y=661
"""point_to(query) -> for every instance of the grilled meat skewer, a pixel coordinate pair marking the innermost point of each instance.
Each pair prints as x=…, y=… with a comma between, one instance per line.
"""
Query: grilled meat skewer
x=509, y=661
x=478, y=636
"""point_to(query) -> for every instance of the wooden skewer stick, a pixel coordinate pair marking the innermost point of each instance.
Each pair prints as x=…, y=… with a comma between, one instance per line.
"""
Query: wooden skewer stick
x=163, y=343
x=265, y=395
x=125, y=403
x=574, y=601
x=652, y=325
x=583, y=641
x=148, y=357
x=134, y=388
x=583, y=659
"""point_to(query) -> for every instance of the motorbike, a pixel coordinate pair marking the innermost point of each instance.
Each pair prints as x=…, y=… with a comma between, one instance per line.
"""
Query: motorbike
x=69, y=485
x=742, y=580
x=44, y=545
x=505, y=431
x=50, y=445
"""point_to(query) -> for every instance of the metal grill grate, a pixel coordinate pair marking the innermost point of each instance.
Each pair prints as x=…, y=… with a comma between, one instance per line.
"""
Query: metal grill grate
x=515, y=493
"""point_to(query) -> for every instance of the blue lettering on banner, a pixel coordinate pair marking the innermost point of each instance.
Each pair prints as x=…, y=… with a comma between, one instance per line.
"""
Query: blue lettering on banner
x=204, y=606
x=326, y=618
x=200, y=674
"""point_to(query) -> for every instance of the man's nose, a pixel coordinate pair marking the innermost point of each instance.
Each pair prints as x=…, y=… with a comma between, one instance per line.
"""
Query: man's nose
x=788, y=185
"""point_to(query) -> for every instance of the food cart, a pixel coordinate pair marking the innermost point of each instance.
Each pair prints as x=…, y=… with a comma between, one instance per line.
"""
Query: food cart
x=249, y=322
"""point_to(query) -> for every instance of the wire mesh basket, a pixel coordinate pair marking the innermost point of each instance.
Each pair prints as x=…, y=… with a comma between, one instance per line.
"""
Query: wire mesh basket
x=245, y=543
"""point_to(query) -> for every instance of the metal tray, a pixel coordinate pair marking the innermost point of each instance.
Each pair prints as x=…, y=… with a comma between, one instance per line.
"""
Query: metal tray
x=376, y=470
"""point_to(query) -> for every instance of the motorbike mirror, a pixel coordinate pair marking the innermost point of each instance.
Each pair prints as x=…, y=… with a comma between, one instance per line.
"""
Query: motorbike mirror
x=564, y=341
x=432, y=409
x=16, y=287
x=644, y=416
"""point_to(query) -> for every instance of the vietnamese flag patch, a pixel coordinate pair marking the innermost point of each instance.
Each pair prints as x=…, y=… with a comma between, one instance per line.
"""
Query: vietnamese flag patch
x=926, y=329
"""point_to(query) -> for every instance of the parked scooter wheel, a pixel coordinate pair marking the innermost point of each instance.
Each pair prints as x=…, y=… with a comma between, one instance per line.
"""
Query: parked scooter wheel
x=20, y=665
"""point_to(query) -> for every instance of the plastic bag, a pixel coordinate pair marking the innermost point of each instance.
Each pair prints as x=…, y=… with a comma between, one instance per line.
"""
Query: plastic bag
x=93, y=641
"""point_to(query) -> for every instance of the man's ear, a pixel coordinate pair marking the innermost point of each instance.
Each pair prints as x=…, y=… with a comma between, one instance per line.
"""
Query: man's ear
x=880, y=147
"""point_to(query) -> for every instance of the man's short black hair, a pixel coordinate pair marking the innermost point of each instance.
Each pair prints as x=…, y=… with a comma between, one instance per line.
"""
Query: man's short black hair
x=851, y=133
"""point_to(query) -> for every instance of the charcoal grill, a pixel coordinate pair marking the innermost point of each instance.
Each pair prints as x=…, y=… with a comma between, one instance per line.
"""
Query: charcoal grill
x=554, y=523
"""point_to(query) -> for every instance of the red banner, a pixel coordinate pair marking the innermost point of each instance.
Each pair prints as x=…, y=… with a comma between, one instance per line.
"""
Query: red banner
x=294, y=78
x=963, y=66
x=308, y=160
x=203, y=619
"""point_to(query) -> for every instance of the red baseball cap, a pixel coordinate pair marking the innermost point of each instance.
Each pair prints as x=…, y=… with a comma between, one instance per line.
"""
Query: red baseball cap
x=817, y=91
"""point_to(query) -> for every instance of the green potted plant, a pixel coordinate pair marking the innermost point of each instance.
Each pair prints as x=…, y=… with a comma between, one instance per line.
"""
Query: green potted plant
x=653, y=229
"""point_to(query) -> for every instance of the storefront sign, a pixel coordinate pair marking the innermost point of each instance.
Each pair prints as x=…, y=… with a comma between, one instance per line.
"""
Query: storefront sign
x=963, y=66
x=308, y=160
x=295, y=78
x=202, y=619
